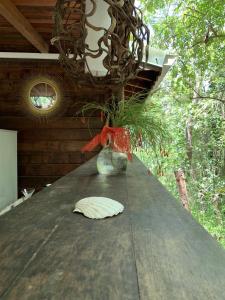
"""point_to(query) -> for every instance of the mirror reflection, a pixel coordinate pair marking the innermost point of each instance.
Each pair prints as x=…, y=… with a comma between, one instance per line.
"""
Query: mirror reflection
x=43, y=96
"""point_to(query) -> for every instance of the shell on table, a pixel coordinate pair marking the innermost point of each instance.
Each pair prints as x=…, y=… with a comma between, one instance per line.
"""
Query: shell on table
x=98, y=207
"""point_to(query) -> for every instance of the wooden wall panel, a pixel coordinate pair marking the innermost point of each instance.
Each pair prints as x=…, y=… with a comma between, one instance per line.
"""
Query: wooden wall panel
x=38, y=157
x=63, y=134
x=20, y=123
x=47, y=149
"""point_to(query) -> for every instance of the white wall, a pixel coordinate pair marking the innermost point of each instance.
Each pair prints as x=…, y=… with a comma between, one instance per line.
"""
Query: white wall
x=8, y=167
x=100, y=18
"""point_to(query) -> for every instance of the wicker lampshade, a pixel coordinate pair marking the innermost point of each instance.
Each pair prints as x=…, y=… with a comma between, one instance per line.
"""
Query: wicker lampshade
x=100, y=41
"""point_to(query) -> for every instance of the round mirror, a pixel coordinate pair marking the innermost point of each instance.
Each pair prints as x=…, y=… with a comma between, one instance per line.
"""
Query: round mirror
x=43, y=96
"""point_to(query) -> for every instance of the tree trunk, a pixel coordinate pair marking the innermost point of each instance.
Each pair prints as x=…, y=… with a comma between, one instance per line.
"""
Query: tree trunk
x=188, y=130
x=181, y=183
x=189, y=125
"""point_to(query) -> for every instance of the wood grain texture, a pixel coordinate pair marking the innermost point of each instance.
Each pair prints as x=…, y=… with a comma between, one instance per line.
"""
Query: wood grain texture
x=28, y=17
x=154, y=250
x=48, y=149
x=34, y=3
x=63, y=134
x=176, y=258
x=32, y=157
x=46, y=169
x=19, y=123
x=10, y=12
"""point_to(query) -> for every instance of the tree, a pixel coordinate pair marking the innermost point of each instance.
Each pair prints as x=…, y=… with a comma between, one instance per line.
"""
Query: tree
x=193, y=97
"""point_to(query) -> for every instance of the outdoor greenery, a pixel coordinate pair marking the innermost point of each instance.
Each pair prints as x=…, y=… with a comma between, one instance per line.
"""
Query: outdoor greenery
x=193, y=104
x=43, y=102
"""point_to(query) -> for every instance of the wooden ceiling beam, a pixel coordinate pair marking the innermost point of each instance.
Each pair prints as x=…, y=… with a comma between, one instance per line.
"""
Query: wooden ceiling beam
x=129, y=91
x=37, y=3
x=10, y=12
x=144, y=79
x=135, y=86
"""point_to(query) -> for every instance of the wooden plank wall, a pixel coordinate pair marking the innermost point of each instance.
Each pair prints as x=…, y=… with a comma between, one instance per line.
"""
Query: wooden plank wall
x=47, y=149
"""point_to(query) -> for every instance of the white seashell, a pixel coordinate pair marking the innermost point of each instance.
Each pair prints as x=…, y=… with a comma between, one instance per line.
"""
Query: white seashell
x=98, y=207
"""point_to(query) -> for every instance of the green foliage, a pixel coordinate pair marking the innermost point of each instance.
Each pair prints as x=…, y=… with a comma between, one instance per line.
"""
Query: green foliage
x=193, y=99
x=195, y=30
x=143, y=119
x=42, y=101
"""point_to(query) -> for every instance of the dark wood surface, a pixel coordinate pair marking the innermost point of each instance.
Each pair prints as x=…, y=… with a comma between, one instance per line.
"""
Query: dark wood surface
x=40, y=15
x=154, y=250
x=47, y=149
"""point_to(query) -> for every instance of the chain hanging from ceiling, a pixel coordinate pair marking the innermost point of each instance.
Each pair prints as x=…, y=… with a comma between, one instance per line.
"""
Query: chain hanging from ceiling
x=121, y=47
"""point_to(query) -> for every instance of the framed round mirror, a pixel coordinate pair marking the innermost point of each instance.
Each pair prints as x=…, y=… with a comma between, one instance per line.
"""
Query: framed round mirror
x=42, y=97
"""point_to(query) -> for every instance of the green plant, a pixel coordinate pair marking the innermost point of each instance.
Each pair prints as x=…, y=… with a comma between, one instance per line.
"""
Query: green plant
x=143, y=119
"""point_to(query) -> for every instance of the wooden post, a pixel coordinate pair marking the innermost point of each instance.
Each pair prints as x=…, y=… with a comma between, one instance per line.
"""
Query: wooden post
x=181, y=183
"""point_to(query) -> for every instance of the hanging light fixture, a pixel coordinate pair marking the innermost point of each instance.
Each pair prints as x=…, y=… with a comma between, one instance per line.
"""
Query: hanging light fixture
x=100, y=41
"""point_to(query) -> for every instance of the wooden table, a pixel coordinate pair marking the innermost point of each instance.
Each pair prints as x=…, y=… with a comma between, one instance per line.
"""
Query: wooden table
x=155, y=250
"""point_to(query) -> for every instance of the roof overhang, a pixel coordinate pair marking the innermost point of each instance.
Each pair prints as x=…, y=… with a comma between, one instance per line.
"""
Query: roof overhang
x=162, y=59
x=147, y=80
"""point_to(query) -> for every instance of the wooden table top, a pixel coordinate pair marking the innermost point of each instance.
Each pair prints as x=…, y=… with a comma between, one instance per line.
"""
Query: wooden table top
x=154, y=250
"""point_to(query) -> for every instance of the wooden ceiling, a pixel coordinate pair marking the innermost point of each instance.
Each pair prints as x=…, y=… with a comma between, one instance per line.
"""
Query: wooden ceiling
x=27, y=25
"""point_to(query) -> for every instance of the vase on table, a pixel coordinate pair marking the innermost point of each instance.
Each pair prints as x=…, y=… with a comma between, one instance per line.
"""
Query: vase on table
x=110, y=162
